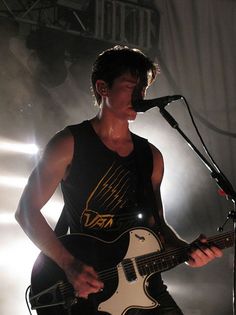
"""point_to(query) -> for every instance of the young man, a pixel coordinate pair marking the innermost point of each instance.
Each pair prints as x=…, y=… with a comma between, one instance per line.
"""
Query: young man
x=110, y=180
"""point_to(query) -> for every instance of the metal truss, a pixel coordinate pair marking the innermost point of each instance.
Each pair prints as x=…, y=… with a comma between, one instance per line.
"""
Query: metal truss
x=41, y=13
x=114, y=21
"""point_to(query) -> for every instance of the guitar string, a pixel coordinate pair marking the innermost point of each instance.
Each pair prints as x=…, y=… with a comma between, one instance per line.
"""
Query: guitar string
x=111, y=273
x=158, y=258
x=171, y=253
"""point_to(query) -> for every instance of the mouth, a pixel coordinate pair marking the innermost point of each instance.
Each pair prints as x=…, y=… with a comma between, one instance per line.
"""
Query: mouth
x=131, y=108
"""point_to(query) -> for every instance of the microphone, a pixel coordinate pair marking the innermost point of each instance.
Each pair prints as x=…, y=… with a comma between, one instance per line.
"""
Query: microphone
x=141, y=106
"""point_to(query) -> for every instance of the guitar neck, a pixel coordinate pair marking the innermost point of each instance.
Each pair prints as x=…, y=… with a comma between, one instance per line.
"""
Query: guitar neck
x=223, y=240
x=159, y=262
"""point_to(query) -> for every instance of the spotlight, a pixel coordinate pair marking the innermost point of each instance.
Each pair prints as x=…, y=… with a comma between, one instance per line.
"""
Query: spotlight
x=18, y=147
x=7, y=218
x=13, y=181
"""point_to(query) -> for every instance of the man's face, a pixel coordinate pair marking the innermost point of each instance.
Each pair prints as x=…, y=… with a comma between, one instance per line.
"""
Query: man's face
x=125, y=88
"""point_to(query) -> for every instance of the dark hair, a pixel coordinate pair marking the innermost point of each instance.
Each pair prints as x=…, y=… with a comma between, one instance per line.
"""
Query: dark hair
x=118, y=60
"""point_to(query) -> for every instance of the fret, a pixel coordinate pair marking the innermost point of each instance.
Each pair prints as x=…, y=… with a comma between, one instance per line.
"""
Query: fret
x=162, y=261
x=223, y=240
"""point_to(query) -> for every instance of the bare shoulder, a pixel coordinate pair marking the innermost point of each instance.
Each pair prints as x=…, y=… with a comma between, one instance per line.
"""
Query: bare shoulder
x=61, y=145
x=51, y=169
x=157, y=155
x=57, y=155
x=158, y=166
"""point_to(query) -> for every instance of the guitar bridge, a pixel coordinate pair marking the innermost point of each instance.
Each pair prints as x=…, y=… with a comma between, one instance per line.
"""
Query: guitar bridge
x=58, y=294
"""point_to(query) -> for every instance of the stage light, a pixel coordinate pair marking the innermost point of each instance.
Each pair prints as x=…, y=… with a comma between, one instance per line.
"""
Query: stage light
x=15, y=147
x=7, y=218
x=25, y=252
x=51, y=211
x=13, y=181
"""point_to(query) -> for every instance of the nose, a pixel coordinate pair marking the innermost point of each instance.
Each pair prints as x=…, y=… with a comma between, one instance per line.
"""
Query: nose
x=143, y=92
x=138, y=92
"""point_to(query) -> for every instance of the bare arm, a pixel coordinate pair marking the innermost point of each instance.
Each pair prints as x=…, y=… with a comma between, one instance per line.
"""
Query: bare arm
x=198, y=257
x=42, y=183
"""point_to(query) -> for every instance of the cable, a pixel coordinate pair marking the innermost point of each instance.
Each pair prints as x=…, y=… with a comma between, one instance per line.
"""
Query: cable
x=175, y=88
x=217, y=168
x=199, y=135
x=26, y=299
x=209, y=125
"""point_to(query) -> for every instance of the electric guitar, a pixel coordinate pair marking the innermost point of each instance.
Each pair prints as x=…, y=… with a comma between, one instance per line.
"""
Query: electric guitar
x=124, y=265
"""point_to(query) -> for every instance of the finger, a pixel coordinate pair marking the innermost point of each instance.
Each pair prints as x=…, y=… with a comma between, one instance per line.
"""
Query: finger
x=216, y=251
x=83, y=295
x=198, y=256
x=206, y=255
x=202, y=238
x=198, y=251
x=203, y=247
x=191, y=262
x=91, y=271
x=92, y=282
x=92, y=279
x=85, y=290
x=208, y=249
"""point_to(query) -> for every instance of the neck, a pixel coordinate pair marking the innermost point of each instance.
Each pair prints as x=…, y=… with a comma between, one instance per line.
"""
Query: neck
x=110, y=127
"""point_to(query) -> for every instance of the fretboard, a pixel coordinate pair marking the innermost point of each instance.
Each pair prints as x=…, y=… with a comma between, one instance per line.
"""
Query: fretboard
x=159, y=262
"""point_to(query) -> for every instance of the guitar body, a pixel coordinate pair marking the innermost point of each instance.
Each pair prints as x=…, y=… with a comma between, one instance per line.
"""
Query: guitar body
x=124, y=287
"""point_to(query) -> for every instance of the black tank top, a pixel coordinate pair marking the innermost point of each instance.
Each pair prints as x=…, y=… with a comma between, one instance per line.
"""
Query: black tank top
x=106, y=194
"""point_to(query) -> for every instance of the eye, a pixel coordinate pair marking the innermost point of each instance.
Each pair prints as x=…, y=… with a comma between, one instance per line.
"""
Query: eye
x=130, y=86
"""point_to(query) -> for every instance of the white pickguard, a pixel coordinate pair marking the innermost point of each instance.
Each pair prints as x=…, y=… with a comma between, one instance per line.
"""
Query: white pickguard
x=132, y=294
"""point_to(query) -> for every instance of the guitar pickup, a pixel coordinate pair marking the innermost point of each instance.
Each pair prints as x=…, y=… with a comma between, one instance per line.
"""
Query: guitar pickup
x=129, y=270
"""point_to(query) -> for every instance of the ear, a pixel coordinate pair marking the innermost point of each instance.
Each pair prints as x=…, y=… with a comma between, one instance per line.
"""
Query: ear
x=101, y=87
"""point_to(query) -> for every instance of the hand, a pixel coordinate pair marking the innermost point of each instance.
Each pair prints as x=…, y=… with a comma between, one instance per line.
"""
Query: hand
x=202, y=253
x=83, y=278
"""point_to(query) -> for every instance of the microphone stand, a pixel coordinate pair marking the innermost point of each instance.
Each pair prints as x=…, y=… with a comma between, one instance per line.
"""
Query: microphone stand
x=221, y=181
